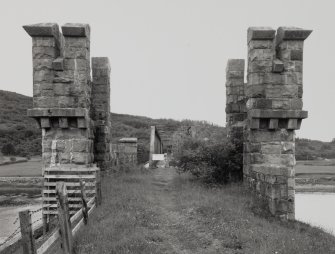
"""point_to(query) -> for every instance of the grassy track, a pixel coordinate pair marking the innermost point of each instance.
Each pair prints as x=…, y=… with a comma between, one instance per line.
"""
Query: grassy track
x=163, y=212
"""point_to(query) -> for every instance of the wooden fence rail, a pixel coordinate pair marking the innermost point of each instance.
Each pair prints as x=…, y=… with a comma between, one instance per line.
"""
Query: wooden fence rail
x=68, y=226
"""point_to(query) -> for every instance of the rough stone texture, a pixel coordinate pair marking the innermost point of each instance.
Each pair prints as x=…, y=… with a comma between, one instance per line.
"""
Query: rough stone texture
x=125, y=152
x=236, y=112
x=235, y=94
x=100, y=108
x=274, y=112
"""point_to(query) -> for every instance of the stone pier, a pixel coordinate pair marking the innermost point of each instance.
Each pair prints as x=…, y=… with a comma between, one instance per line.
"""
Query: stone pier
x=62, y=88
x=273, y=96
x=72, y=112
x=101, y=111
x=236, y=112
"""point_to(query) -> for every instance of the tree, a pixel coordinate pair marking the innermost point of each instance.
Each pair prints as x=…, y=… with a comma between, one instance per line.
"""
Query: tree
x=8, y=149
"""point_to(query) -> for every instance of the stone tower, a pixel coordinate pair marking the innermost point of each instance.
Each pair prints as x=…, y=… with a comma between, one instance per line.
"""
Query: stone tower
x=274, y=109
x=272, y=113
x=72, y=111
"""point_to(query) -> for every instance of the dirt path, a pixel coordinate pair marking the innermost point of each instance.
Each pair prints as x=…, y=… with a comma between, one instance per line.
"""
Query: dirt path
x=179, y=233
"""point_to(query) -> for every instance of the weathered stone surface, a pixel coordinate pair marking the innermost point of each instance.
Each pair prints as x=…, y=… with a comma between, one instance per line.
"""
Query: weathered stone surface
x=45, y=123
x=76, y=43
x=44, y=42
x=261, y=33
x=63, y=122
x=291, y=33
x=297, y=55
x=58, y=112
x=261, y=66
x=258, y=113
x=76, y=64
x=260, y=44
x=42, y=64
x=45, y=53
x=278, y=66
x=274, y=111
x=42, y=30
x=44, y=102
x=76, y=30
x=235, y=65
x=265, y=78
x=75, y=52
x=261, y=55
x=58, y=64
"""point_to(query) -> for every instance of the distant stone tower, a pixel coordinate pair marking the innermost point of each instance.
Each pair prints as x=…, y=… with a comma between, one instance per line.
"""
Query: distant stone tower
x=236, y=112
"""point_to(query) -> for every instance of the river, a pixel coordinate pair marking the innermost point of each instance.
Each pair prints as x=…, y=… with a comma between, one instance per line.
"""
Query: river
x=317, y=209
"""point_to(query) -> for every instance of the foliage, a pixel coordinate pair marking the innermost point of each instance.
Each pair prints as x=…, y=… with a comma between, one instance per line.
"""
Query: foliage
x=16, y=128
x=218, y=162
x=307, y=149
x=8, y=149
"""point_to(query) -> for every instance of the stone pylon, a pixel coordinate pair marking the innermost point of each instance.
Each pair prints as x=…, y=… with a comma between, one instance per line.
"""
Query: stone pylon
x=62, y=89
x=236, y=112
x=274, y=111
x=62, y=106
x=101, y=111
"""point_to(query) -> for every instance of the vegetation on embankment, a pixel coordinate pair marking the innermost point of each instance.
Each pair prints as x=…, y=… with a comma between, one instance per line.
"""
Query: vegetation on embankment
x=18, y=129
x=160, y=211
x=315, y=176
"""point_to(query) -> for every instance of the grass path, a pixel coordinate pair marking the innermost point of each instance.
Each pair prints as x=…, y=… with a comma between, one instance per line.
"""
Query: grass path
x=161, y=212
x=181, y=234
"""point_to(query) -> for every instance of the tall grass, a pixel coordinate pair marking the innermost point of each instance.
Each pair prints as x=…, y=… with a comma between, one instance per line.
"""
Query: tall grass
x=142, y=213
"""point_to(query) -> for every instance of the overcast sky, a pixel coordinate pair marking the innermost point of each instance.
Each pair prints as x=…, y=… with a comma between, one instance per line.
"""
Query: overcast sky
x=168, y=57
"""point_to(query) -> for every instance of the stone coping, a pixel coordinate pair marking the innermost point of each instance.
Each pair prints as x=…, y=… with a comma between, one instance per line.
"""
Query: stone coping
x=261, y=113
x=58, y=112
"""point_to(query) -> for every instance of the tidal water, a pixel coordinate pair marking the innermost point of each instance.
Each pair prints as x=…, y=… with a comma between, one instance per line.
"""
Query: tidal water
x=316, y=209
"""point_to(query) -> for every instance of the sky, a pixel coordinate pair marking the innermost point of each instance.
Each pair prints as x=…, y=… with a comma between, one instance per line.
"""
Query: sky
x=168, y=57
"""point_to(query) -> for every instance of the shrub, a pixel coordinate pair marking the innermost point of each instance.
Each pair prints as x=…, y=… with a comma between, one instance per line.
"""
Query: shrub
x=12, y=159
x=215, y=162
x=8, y=149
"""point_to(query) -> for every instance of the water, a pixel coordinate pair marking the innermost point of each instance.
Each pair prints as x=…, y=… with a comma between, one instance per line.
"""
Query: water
x=317, y=209
x=9, y=215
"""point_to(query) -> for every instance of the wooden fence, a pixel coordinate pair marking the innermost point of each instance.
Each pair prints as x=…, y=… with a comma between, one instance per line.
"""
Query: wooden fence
x=60, y=238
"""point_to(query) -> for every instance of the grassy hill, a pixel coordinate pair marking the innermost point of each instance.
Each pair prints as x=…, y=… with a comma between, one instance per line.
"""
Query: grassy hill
x=20, y=131
x=15, y=127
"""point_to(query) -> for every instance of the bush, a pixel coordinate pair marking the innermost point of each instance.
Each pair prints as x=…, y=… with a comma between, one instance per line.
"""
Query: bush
x=8, y=149
x=215, y=162
x=12, y=159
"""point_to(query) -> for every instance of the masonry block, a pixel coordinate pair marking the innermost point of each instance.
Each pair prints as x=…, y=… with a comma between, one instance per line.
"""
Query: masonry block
x=63, y=122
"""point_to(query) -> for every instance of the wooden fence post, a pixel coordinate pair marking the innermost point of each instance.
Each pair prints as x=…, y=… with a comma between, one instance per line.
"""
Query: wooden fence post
x=98, y=188
x=64, y=218
x=28, y=241
x=83, y=199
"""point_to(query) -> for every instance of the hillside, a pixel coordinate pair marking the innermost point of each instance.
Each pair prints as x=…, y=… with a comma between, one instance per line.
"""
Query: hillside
x=15, y=127
x=20, y=131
